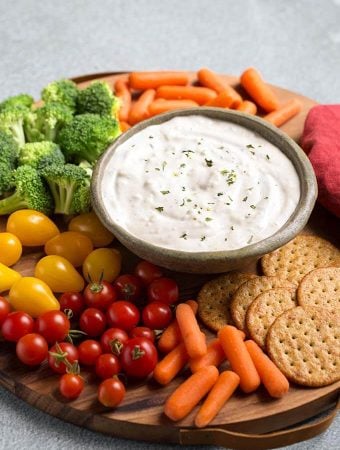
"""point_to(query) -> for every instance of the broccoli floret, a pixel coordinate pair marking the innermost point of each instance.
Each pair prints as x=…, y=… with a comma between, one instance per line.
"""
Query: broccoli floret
x=87, y=136
x=97, y=98
x=81, y=201
x=61, y=91
x=88, y=167
x=64, y=182
x=8, y=160
x=12, y=121
x=17, y=100
x=6, y=178
x=44, y=123
x=40, y=154
x=30, y=192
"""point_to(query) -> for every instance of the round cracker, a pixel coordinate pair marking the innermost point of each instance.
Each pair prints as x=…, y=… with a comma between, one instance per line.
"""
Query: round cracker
x=247, y=293
x=265, y=309
x=214, y=298
x=320, y=288
x=301, y=255
x=304, y=344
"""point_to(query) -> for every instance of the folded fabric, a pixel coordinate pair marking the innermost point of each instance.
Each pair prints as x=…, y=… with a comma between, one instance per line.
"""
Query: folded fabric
x=321, y=141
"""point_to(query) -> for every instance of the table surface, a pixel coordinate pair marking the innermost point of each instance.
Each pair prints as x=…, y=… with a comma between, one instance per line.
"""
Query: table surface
x=295, y=44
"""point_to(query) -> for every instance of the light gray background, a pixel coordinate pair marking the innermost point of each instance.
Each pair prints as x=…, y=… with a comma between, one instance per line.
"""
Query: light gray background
x=295, y=44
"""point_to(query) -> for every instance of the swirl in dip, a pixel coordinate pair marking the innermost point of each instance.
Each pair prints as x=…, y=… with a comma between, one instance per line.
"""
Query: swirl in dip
x=198, y=184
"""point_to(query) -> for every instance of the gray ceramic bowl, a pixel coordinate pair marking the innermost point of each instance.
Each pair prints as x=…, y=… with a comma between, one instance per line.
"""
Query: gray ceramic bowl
x=217, y=261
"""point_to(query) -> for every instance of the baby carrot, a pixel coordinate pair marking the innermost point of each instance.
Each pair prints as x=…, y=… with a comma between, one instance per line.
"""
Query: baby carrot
x=122, y=91
x=222, y=390
x=201, y=95
x=171, y=336
x=258, y=90
x=273, y=379
x=160, y=106
x=284, y=113
x=183, y=400
x=152, y=80
x=248, y=107
x=212, y=80
x=239, y=358
x=223, y=100
x=124, y=126
x=171, y=364
x=214, y=357
x=140, y=109
x=193, y=337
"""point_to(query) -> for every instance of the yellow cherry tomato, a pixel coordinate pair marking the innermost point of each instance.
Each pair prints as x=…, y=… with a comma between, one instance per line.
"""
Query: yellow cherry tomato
x=59, y=274
x=7, y=277
x=71, y=245
x=32, y=296
x=10, y=249
x=32, y=228
x=102, y=263
x=90, y=225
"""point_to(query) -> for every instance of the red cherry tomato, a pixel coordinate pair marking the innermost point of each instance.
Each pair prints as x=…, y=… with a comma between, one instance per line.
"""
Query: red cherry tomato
x=16, y=325
x=129, y=287
x=113, y=340
x=32, y=349
x=147, y=272
x=89, y=351
x=111, y=392
x=71, y=385
x=139, y=357
x=157, y=315
x=100, y=295
x=59, y=353
x=163, y=290
x=122, y=314
x=54, y=326
x=5, y=309
x=107, y=365
x=72, y=301
x=143, y=332
x=92, y=322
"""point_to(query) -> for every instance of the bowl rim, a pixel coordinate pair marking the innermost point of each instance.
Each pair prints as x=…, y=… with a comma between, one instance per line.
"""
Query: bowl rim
x=294, y=224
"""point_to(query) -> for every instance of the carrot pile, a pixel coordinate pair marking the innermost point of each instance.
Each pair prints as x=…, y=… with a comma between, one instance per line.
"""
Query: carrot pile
x=146, y=94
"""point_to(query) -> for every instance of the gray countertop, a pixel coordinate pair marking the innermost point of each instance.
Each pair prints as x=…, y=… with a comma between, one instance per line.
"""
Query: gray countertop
x=295, y=44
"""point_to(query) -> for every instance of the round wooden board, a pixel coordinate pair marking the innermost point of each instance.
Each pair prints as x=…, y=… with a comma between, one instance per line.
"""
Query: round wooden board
x=140, y=415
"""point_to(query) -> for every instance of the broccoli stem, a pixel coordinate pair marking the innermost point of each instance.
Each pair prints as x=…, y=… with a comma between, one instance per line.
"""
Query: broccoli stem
x=12, y=203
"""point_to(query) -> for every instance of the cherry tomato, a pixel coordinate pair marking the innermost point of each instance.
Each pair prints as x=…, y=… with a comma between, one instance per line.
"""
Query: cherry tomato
x=16, y=325
x=54, y=326
x=122, y=314
x=90, y=225
x=10, y=249
x=157, y=315
x=72, y=301
x=100, y=295
x=32, y=349
x=89, y=351
x=111, y=392
x=102, y=264
x=71, y=245
x=71, y=385
x=107, y=365
x=163, y=290
x=139, y=357
x=143, y=332
x=5, y=309
x=129, y=287
x=147, y=272
x=59, y=353
x=32, y=228
x=92, y=322
x=113, y=340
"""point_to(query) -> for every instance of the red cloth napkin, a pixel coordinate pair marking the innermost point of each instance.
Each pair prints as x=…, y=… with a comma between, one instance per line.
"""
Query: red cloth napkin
x=321, y=141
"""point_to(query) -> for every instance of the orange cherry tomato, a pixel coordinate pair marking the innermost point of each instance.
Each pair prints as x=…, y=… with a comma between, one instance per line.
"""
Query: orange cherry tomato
x=32, y=228
x=90, y=225
x=10, y=249
x=59, y=274
x=71, y=245
x=102, y=264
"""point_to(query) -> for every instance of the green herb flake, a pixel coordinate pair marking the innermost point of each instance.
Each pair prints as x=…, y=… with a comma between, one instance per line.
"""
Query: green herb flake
x=225, y=239
x=150, y=137
x=189, y=200
x=165, y=192
x=267, y=156
x=253, y=206
x=208, y=162
x=250, y=146
x=187, y=152
x=245, y=199
x=219, y=194
x=183, y=203
x=221, y=148
x=203, y=238
x=160, y=208
x=158, y=169
x=208, y=219
x=184, y=236
x=182, y=165
x=266, y=198
x=250, y=239
x=183, y=188
x=164, y=163
x=230, y=198
x=232, y=228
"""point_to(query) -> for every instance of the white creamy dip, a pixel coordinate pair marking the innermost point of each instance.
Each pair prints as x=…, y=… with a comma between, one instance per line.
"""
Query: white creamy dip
x=199, y=184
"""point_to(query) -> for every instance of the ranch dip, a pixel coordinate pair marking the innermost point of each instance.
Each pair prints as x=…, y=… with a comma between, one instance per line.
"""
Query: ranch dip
x=200, y=184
